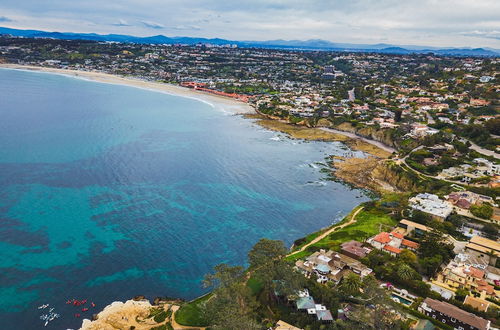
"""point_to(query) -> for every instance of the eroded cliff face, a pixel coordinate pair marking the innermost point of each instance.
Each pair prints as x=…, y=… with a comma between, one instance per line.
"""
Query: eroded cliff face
x=380, y=135
x=371, y=173
x=386, y=172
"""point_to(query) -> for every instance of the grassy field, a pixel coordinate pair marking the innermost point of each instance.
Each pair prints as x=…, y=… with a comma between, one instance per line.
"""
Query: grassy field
x=368, y=223
x=190, y=314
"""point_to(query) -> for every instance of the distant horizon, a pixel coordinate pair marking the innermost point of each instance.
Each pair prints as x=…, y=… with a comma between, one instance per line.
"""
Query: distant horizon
x=447, y=23
x=341, y=44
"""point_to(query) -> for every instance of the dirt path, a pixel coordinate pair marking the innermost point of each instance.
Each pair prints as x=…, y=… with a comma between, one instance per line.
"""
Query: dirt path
x=329, y=231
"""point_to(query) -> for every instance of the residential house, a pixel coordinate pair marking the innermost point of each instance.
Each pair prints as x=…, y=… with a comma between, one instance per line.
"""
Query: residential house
x=453, y=316
x=392, y=243
x=431, y=204
x=331, y=266
x=306, y=303
x=463, y=275
x=354, y=249
x=477, y=303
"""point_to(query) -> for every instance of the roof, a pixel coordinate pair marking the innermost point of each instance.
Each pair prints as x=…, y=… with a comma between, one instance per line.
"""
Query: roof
x=397, y=235
x=479, y=304
x=282, y=325
x=474, y=272
x=463, y=203
x=457, y=313
x=324, y=315
x=410, y=244
x=382, y=237
x=415, y=225
x=305, y=303
x=479, y=248
x=487, y=243
x=354, y=247
x=392, y=249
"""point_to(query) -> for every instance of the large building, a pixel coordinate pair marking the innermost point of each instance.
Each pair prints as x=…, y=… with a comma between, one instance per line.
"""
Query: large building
x=453, y=316
x=484, y=248
x=431, y=204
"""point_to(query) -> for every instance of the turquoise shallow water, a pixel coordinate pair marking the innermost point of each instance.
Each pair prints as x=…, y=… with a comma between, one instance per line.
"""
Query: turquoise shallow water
x=110, y=191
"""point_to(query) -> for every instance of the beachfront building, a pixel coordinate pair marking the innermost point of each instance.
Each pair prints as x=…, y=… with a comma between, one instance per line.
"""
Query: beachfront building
x=452, y=315
x=331, y=266
x=431, y=204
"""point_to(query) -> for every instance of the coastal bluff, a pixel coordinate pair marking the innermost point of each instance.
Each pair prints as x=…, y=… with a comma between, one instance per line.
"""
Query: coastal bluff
x=132, y=314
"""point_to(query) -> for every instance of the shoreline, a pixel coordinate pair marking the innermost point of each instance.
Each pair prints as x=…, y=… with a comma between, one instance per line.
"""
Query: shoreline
x=375, y=143
x=221, y=103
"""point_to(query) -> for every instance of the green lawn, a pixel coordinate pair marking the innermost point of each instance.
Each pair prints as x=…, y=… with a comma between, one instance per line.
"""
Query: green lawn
x=368, y=223
x=190, y=314
x=312, y=236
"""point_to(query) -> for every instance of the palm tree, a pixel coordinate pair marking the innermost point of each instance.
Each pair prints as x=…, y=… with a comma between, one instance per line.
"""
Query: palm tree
x=351, y=284
x=405, y=272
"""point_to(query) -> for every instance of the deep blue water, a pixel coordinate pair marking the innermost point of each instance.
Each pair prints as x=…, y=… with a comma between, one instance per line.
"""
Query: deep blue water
x=110, y=191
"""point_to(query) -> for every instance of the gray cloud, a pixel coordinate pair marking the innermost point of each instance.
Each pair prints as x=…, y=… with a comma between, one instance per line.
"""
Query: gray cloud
x=427, y=22
x=121, y=22
x=5, y=19
x=153, y=25
x=484, y=34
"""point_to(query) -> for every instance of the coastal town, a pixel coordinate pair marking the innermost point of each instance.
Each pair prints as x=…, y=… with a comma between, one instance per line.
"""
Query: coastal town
x=423, y=254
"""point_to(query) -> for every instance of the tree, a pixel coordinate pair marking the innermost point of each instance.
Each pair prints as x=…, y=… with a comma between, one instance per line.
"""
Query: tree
x=408, y=257
x=491, y=230
x=461, y=293
x=265, y=251
x=232, y=304
x=405, y=272
x=223, y=276
x=276, y=275
x=484, y=211
x=351, y=284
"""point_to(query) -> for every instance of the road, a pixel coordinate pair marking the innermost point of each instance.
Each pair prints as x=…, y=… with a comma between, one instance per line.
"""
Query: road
x=483, y=151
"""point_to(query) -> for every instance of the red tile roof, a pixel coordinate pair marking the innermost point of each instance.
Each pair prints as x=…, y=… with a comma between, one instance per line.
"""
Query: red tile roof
x=474, y=272
x=410, y=244
x=392, y=249
x=382, y=237
x=397, y=235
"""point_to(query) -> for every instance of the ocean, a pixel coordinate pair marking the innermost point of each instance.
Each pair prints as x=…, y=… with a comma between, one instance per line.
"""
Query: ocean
x=109, y=191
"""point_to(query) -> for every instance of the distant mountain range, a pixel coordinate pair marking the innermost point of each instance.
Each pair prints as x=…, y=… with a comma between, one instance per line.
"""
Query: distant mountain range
x=313, y=44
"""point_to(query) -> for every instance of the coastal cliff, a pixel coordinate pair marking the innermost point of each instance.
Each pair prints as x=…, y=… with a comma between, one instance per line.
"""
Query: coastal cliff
x=133, y=314
x=371, y=173
x=384, y=136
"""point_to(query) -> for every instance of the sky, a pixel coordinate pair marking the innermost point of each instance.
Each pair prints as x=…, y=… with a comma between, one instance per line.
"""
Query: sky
x=439, y=23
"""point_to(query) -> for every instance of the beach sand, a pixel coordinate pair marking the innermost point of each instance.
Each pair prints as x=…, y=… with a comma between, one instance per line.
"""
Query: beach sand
x=225, y=104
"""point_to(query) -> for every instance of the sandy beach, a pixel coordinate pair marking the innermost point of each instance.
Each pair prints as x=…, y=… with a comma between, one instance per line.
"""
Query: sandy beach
x=225, y=104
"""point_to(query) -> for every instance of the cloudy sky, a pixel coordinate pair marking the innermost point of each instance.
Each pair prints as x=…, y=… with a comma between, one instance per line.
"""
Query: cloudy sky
x=473, y=23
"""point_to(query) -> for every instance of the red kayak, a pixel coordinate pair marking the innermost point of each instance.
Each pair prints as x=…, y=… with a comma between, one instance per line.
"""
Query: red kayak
x=84, y=309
